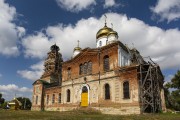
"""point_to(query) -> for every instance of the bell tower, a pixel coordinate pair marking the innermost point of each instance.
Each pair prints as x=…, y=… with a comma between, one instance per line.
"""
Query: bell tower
x=53, y=66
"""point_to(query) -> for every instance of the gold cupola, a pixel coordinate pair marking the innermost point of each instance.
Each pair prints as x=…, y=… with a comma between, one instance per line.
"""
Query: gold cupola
x=77, y=48
x=113, y=33
x=103, y=32
x=106, y=35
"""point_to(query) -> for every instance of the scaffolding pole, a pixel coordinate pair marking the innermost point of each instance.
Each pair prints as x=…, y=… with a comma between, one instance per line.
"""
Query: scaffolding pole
x=149, y=81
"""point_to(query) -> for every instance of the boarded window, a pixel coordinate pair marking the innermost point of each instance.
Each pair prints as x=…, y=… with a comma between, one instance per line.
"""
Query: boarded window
x=36, y=99
x=68, y=95
x=89, y=67
x=80, y=69
x=107, y=91
x=106, y=63
x=126, y=90
x=59, y=98
x=47, y=99
x=53, y=98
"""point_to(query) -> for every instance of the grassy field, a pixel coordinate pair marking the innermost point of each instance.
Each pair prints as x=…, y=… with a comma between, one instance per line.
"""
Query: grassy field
x=80, y=115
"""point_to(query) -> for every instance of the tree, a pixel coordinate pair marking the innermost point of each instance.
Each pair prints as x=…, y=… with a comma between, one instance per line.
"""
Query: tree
x=175, y=82
x=173, y=98
x=26, y=103
x=2, y=100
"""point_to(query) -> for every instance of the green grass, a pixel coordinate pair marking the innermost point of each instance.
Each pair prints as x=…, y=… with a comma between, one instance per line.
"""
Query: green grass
x=80, y=115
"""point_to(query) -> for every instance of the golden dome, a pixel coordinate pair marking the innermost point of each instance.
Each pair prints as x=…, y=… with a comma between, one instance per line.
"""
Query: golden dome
x=113, y=32
x=77, y=48
x=103, y=32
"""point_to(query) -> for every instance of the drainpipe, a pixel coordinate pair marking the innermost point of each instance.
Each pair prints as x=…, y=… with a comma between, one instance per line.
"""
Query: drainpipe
x=99, y=62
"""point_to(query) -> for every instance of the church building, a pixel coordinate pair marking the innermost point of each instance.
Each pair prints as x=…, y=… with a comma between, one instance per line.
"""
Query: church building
x=112, y=78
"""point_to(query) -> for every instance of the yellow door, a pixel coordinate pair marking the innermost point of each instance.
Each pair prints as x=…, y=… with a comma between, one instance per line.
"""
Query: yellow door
x=84, y=99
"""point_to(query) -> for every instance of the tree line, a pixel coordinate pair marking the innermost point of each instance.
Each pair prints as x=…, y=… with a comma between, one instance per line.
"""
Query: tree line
x=26, y=103
x=172, y=92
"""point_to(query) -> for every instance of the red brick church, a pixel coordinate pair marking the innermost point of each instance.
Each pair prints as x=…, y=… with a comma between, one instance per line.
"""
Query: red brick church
x=112, y=78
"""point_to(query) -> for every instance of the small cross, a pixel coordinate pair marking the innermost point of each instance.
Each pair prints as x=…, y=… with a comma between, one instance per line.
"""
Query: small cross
x=105, y=18
x=78, y=43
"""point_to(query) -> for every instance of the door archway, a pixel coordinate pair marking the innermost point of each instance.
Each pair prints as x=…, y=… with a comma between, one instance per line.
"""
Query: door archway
x=85, y=96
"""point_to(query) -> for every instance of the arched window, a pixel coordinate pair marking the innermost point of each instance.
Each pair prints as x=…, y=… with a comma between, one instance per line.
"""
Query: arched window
x=68, y=95
x=100, y=43
x=106, y=63
x=85, y=68
x=47, y=100
x=107, y=91
x=59, y=98
x=126, y=90
x=53, y=98
x=89, y=67
x=84, y=89
x=69, y=72
x=80, y=69
x=36, y=99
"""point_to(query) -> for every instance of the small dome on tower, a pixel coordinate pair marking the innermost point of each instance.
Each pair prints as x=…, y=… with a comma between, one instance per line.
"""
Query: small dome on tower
x=77, y=50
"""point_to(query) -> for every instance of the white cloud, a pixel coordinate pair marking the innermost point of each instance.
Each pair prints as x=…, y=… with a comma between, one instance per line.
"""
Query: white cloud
x=109, y=3
x=75, y=5
x=34, y=73
x=10, y=90
x=168, y=78
x=161, y=45
x=167, y=9
x=9, y=31
x=21, y=31
x=0, y=75
x=36, y=45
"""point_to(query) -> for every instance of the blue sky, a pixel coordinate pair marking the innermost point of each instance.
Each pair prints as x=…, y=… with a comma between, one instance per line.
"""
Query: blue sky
x=29, y=27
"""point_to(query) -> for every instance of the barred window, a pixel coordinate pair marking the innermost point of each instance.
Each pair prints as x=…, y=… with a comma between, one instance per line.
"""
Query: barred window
x=106, y=63
x=85, y=68
x=53, y=98
x=47, y=99
x=80, y=69
x=126, y=90
x=69, y=72
x=36, y=99
x=89, y=67
x=68, y=95
x=59, y=99
x=107, y=91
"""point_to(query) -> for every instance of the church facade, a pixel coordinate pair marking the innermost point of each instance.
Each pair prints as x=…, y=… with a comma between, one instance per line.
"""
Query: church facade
x=112, y=78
